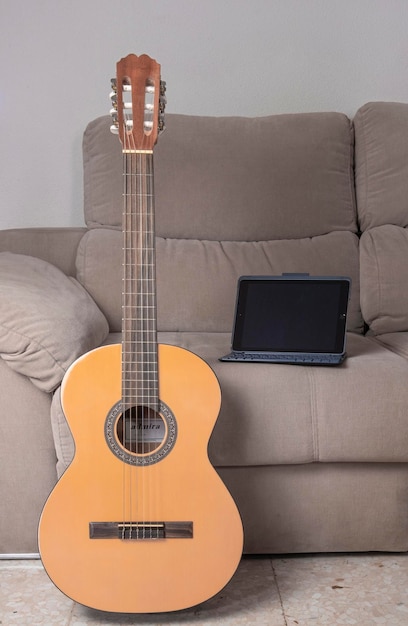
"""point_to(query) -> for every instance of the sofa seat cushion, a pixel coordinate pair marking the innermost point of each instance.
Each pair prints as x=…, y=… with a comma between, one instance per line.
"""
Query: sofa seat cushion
x=384, y=278
x=287, y=414
x=397, y=342
x=47, y=319
x=196, y=280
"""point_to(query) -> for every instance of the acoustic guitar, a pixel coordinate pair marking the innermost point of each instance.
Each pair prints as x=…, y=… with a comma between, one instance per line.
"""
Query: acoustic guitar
x=140, y=521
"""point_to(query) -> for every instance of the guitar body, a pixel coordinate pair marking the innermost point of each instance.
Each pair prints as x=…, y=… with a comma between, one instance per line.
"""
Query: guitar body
x=108, y=569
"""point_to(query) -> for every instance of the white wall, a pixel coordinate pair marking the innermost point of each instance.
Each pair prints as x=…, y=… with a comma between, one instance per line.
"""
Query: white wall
x=219, y=57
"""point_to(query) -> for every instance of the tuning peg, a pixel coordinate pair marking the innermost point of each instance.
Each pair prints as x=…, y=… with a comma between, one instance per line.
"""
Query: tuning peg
x=161, y=124
x=162, y=105
x=114, y=129
x=114, y=85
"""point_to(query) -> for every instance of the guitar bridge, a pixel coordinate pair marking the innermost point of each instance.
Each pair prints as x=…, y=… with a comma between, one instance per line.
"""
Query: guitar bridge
x=139, y=531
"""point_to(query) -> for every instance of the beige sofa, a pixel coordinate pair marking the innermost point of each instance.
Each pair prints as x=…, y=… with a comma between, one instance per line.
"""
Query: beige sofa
x=315, y=457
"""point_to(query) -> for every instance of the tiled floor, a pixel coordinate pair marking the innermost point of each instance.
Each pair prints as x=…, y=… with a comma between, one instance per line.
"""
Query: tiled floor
x=364, y=590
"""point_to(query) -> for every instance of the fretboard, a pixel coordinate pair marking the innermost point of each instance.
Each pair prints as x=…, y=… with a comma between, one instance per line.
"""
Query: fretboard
x=139, y=333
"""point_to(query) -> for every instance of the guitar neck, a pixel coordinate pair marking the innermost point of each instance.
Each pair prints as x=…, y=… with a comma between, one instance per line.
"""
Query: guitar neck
x=139, y=327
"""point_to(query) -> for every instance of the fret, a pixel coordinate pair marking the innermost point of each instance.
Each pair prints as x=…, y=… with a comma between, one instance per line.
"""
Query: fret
x=141, y=366
x=140, y=361
x=135, y=383
x=132, y=174
x=144, y=195
x=133, y=375
x=143, y=390
x=142, y=334
x=137, y=342
x=131, y=378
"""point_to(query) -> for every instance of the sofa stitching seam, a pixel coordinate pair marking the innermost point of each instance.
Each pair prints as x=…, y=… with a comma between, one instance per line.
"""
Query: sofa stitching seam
x=351, y=170
x=364, y=202
x=313, y=416
x=378, y=277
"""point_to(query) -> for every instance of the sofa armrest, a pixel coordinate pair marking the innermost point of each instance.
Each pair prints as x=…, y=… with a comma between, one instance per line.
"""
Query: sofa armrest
x=58, y=246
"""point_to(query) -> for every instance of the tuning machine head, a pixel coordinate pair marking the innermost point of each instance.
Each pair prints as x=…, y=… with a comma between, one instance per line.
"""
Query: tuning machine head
x=114, y=110
x=162, y=105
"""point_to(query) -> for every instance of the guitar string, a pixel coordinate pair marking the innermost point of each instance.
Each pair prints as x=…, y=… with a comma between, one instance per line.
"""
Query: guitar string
x=149, y=319
x=133, y=399
x=154, y=485
x=150, y=323
x=141, y=347
x=136, y=288
x=124, y=331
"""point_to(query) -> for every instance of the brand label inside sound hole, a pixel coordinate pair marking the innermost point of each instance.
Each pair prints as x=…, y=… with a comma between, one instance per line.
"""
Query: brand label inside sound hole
x=144, y=428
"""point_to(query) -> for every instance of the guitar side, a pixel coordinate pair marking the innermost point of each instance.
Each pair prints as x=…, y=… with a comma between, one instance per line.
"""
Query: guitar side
x=113, y=572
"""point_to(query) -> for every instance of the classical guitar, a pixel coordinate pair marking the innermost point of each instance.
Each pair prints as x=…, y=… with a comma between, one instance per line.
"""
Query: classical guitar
x=140, y=522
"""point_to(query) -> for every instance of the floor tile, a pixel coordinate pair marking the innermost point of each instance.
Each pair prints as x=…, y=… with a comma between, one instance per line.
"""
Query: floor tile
x=29, y=598
x=321, y=590
x=251, y=597
x=363, y=590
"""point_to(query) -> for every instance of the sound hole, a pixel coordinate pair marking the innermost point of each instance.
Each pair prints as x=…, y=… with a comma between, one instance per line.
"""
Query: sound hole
x=156, y=441
x=141, y=430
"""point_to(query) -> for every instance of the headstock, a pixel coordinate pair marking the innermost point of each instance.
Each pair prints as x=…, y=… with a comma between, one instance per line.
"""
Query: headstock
x=138, y=102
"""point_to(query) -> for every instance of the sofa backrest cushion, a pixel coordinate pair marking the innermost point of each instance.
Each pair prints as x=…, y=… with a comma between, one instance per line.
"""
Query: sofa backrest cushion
x=384, y=278
x=381, y=156
x=381, y=135
x=232, y=178
x=196, y=280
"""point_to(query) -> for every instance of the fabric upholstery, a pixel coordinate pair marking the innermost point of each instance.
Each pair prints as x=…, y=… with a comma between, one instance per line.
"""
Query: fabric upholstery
x=27, y=460
x=63, y=441
x=278, y=414
x=232, y=179
x=47, y=320
x=208, y=271
x=57, y=246
x=384, y=278
x=396, y=342
x=322, y=507
x=381, y=156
